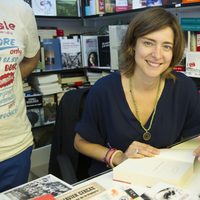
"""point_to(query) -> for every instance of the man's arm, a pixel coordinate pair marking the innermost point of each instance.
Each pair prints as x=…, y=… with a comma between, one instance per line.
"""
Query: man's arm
x=27, y=65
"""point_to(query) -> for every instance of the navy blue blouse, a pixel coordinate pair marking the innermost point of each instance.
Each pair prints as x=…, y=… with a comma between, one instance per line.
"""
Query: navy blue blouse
x=108, y=120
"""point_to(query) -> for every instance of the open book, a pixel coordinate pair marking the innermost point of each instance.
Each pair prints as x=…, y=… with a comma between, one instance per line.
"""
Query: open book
x=172, y=166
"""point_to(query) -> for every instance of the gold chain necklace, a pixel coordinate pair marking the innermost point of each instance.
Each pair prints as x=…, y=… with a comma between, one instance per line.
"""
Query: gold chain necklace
x=146, y=134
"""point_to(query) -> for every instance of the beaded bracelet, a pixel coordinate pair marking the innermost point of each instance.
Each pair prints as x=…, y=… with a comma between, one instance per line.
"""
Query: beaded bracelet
x=112, y=156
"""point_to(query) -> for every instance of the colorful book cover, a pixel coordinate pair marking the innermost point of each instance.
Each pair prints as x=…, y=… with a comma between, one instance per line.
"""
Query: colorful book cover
x=110, y=6
x=52, y=54
x=121, y=5
x=151, y=3
x=190, y=1
x=136, y=4
x=44, y=7
x=89, y=44
x=104, y=50
x=67, y=8
x=100, y=7
x=193, y=64
x=71, y=52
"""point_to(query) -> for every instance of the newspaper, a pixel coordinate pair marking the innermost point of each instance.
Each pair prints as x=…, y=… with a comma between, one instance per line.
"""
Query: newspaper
x=48, y=184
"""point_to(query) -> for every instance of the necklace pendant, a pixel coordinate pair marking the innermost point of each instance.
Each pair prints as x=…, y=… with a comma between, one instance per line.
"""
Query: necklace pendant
x=147, y=136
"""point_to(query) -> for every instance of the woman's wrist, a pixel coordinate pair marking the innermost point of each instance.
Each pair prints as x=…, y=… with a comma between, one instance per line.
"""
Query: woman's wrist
x=118, y=158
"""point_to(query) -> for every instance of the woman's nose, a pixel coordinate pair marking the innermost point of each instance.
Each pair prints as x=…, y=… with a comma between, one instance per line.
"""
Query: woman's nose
x=157, y=52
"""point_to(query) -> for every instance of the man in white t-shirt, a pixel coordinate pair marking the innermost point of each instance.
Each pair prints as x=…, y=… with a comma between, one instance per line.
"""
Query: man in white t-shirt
x=19, y=55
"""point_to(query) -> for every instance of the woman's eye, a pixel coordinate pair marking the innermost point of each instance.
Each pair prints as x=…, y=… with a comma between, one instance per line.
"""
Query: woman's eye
x=148, y=44
x=167, y=47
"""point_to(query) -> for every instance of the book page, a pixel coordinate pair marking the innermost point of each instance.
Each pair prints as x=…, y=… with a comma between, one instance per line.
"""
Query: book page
x=184, y=155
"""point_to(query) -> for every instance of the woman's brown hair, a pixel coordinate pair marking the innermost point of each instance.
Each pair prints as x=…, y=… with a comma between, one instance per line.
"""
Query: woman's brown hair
x=150, y=20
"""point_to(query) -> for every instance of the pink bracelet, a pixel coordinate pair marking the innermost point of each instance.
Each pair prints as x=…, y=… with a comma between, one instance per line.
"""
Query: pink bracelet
x=112, y=156
x=108, y=155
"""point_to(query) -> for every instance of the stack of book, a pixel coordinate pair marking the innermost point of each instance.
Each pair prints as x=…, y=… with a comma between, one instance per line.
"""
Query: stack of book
x=46, y=84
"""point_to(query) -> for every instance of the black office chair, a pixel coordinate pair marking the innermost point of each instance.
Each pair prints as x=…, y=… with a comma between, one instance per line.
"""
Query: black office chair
x=65, y=162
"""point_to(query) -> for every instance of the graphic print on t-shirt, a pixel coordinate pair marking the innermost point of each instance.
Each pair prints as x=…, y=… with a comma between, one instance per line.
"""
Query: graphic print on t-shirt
x=10, y=55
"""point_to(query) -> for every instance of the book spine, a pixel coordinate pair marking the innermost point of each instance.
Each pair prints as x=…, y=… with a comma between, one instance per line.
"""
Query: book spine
x=188, y=27
x=190, y=21
x=198, y=41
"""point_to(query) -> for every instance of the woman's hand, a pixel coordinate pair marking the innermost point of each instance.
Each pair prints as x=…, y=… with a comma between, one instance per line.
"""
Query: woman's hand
x=197, y=151
x=140, y=150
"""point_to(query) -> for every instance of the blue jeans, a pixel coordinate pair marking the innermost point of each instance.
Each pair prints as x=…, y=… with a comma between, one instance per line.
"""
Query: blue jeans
x=15, y=171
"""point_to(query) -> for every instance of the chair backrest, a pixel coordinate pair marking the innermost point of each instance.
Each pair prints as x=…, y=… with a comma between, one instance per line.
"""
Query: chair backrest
x=65, y=162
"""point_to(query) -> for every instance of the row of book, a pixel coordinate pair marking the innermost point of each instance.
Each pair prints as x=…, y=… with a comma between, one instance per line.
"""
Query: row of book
x=190, y=64
x=74, y=52
x=99, y=7
x=56, y=7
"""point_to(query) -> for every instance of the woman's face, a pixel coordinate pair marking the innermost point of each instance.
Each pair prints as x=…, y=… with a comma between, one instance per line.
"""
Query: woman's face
x=92, y=58
x=154, y=52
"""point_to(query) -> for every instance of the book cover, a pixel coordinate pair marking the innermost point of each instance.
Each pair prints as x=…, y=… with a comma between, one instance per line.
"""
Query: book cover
x=193, y=64
x=48, y=184
x=116, y=34
x=49, y=106
x=67, y=8
x=89, y=45
x=100, y=7
x=190, y=1
x=121, y=5
x=92, y=7
x=170, y=166
x=36, y=116
x=104, y=50
x=44, y=7
x=70, y=52
x=136, y=4
x=89, y=191
x=167, y=191
x=52, y=54
x=110, y=6
x=151, y=3
x=34, y=100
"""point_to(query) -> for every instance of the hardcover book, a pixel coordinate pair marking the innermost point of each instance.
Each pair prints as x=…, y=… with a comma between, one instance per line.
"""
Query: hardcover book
x=67, y=8
x=44, y=8
x=170, y=166
x=70, y=52
x=52, y=54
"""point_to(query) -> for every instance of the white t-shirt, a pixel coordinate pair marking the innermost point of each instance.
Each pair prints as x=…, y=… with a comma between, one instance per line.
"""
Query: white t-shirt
x=18, y=38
